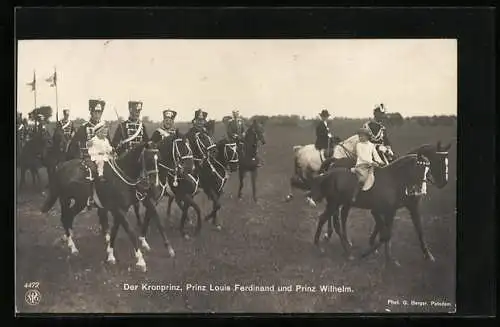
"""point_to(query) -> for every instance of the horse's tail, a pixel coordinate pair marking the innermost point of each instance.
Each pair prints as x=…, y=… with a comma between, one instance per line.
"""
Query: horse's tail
x=52, y=197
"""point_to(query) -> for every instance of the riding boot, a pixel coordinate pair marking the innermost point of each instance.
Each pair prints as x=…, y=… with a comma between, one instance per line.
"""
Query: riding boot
x=325, y=165
x=356, y=192
x=90, y=200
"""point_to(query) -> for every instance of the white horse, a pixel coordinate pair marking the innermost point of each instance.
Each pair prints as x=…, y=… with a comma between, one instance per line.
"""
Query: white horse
x=308, y=160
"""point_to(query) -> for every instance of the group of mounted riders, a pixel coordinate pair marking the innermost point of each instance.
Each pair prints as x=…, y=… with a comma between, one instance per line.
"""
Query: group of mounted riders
x=92, y=142
x=374, y=148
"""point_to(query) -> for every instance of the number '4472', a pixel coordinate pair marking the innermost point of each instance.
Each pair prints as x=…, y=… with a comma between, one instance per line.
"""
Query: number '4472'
x=31, y=285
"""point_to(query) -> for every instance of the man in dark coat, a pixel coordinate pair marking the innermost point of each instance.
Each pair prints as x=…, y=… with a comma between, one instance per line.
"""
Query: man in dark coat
x=130, y=132
x=325, y=140
x=78, y=145
x=199, y=122
x=167, y=128
x=235, y=127
x=64, y=131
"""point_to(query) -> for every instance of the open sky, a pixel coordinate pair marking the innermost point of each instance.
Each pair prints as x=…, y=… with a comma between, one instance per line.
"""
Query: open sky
x=347, y=77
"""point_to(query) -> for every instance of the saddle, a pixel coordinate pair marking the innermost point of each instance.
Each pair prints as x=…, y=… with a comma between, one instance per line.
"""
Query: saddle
x=366, y=176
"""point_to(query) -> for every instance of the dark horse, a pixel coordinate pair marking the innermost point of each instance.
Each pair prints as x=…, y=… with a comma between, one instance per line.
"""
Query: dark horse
x=32, y=157
x=437, y=156
x=128, y=178
x=211, y=169
x=177, y=179
x=388, y=193
x=248, y=160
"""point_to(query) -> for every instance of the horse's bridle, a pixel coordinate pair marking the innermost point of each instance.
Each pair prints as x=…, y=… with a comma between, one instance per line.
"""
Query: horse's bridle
x=174, y=172
x=202, y=147
x=430, y=179
x=143, y=175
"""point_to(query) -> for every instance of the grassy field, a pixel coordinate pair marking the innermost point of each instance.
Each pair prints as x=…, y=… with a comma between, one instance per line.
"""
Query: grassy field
x=269, y=243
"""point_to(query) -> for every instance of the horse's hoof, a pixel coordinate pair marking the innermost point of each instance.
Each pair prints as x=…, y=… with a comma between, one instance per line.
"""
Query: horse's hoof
x=376, y=252
x=288, y=198
x=141, y=267
x=350, y=257
x=171, y=252
x=311, y=202
x=111, y=260
x=349, y=243
x=321, y=250
x=430, y=257
x=186, y=237
x=218, y=227
x=75, y=251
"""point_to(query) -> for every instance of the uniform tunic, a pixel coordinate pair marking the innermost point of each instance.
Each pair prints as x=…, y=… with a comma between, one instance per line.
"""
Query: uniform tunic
x=63, y=133
x=378, y=133
x=161, y=133
x=235, y=129
x=129, y=134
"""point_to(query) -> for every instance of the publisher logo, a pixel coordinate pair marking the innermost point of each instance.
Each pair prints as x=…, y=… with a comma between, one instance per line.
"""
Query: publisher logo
x=32, y=297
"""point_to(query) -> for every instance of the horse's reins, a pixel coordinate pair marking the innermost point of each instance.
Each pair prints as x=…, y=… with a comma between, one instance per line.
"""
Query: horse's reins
x=214, y=170
x=173, y=171
x=119, y=172
x=202, y=148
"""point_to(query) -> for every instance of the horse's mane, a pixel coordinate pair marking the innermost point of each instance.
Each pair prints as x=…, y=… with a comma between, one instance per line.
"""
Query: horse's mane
x=422, y=149
x=402, y=160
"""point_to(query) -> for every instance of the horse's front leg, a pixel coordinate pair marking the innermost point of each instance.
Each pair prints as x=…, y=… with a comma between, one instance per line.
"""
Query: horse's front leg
x=344, y=214
x=386, y=236
x=254, y=182
x=169, y=206
x=121, y=216
x=137, y=214
x=151, y=213
x=413, y=207
x=375, y=231
x=241, y=174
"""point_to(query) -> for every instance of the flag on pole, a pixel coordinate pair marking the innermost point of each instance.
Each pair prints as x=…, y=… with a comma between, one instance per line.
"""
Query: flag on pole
x=52, y=80
x=33, y=83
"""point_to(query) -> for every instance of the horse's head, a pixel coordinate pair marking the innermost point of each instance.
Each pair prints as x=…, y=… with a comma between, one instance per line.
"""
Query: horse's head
x=204, y=145
x=438, y=159
x=150, y=158
x=410, y=169
x=227, y=154
x=176, y=156
x=255, y=133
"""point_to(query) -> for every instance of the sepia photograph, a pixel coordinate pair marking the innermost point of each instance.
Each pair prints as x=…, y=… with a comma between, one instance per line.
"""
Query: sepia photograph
x=236, y=175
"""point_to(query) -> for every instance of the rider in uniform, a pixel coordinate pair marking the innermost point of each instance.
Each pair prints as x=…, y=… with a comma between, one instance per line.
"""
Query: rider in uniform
x=65, y=130
x=130, y=132
x=378, y=133
x=78, y=145
x=199, y=122
x=325, y=140
x=235, y=128
x=167, y=128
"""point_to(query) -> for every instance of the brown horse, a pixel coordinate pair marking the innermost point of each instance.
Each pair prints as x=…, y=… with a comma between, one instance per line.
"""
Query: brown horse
x=437, y=175
x=388, y=193
x=127, y=178
x=248, y=160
